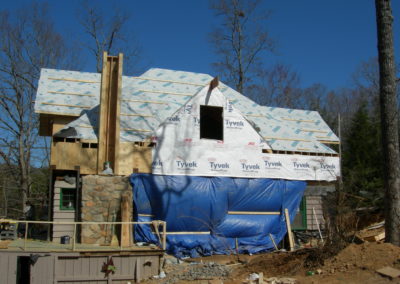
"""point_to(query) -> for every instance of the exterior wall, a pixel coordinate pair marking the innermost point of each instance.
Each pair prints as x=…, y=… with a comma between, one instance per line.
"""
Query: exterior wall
x=76, y=268
x=314, y=196
x=314, y=201
x=101, y=202
x=68, y=155
x=62, y=215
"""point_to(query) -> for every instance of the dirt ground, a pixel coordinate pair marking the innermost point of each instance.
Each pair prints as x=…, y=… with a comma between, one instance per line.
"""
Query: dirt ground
x=357, y=263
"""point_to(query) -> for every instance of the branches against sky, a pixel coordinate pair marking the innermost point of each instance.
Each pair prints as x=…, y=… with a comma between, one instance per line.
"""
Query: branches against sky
x=240, y=40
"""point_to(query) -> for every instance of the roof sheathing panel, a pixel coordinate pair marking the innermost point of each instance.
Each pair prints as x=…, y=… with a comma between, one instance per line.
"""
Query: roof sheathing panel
x=150, y=99
x=67, y=92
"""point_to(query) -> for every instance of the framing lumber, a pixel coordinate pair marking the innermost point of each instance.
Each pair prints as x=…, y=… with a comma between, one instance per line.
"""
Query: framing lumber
x=313, y=130
x=328, y=142
x=289, y=230
x=166, y=92
x=72, y=80
x=286, y=139
x=135, y=114
x=253, y=213
x=299, y=120
x=72, y=94
x=66, y=105
x=186, y=233
x=141, y=101
x=109, y=115
x=125, y=217
x=169, y=81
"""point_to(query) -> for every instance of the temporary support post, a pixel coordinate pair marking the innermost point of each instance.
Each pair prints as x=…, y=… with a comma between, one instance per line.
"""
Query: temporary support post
x=125, y=217
x=289, y=230
x=110, y=97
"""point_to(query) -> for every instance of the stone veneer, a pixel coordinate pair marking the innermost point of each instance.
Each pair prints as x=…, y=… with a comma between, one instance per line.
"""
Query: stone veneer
x=101, y=202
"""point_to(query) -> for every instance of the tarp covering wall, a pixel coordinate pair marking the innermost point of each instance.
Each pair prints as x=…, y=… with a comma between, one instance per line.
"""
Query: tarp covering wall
x=202, y=207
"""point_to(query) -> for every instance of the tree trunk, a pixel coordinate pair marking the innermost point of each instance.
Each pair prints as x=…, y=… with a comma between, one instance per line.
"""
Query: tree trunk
x=389, y=120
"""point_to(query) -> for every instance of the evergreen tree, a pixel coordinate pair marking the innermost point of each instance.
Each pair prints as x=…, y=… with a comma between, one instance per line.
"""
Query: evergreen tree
x=362, y=162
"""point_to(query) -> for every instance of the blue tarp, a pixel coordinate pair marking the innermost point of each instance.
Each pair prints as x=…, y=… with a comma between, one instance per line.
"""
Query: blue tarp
x=201, y=204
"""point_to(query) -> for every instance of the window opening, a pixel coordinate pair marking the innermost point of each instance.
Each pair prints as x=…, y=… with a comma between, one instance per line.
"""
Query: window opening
x=300, y=220
x=67, y=198
x=211, y=122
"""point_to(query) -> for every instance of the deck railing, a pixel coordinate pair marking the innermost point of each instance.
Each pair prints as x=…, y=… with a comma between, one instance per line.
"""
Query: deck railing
x=156, y=226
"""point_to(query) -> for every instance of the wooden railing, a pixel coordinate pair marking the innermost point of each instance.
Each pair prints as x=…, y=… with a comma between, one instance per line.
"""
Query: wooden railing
x=156, y=225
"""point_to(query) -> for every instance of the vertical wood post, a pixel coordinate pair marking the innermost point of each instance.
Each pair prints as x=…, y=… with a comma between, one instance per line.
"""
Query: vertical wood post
x=164, y=245
x=125, y=217
x=109, y=113
x=289, y=230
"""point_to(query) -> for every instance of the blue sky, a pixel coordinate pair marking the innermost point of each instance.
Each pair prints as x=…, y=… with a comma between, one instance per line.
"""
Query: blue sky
x=324, y=41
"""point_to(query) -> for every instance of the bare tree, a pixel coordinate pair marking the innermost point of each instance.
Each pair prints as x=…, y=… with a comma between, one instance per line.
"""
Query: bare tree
x=279, y=86
x=28, y=42
x=240, y=40
x=108, y=33
x=389, y=119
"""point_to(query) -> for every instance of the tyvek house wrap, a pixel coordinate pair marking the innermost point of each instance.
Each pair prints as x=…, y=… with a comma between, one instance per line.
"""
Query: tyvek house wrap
x=180, y=150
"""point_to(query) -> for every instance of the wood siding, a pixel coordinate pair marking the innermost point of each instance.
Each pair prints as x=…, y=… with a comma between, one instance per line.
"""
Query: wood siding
x=314, y=201
x=61, y=215
x=76, y=268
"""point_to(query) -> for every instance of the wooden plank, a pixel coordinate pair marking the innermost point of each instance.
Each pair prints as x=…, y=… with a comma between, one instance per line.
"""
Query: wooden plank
x=299, y=120
x=186, y=233
x=313, y=130
x=148, y=102
x=252, y=213
x=109, y=129
x=375, y=238
x=289, y=230
x=135, y=114
x=389, y=271
x=329, y=142
x=169, y=81
x=66, y=105
x=165, y=92
x=125, y=217
x=72, y=80
x=72, y=94
x=285, y=139
x=137, y=130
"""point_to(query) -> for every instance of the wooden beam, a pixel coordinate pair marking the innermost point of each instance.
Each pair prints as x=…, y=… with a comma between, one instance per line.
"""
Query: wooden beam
x=66, y=105
x=168, y=81
x=109, y=126
x=72, y=80
x=328, y=142
x=125, y=217
x=286, y=139
x=166, y=93
x=289, y=230
x=72, y=94
x=252, y=213
x=141, y=101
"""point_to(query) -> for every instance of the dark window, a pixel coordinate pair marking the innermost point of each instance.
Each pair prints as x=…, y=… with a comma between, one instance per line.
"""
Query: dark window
x=211, y=122
x=67, y=198
x=300, y=220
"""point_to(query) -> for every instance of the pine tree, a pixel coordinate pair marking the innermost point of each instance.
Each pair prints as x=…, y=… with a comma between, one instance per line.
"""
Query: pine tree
x=362, y=162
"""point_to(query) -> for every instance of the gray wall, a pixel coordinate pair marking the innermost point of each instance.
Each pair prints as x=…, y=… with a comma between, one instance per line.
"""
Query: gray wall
x=75, y=268
x=62, y=215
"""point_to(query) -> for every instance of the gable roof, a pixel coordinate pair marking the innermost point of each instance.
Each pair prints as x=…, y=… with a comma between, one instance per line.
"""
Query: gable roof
x=157, y=94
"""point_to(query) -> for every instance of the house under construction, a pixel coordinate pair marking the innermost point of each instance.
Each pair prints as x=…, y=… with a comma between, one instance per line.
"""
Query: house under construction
x=201, y=156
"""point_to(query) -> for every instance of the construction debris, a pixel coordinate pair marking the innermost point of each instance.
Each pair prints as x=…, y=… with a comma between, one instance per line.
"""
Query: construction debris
x=389, y=271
